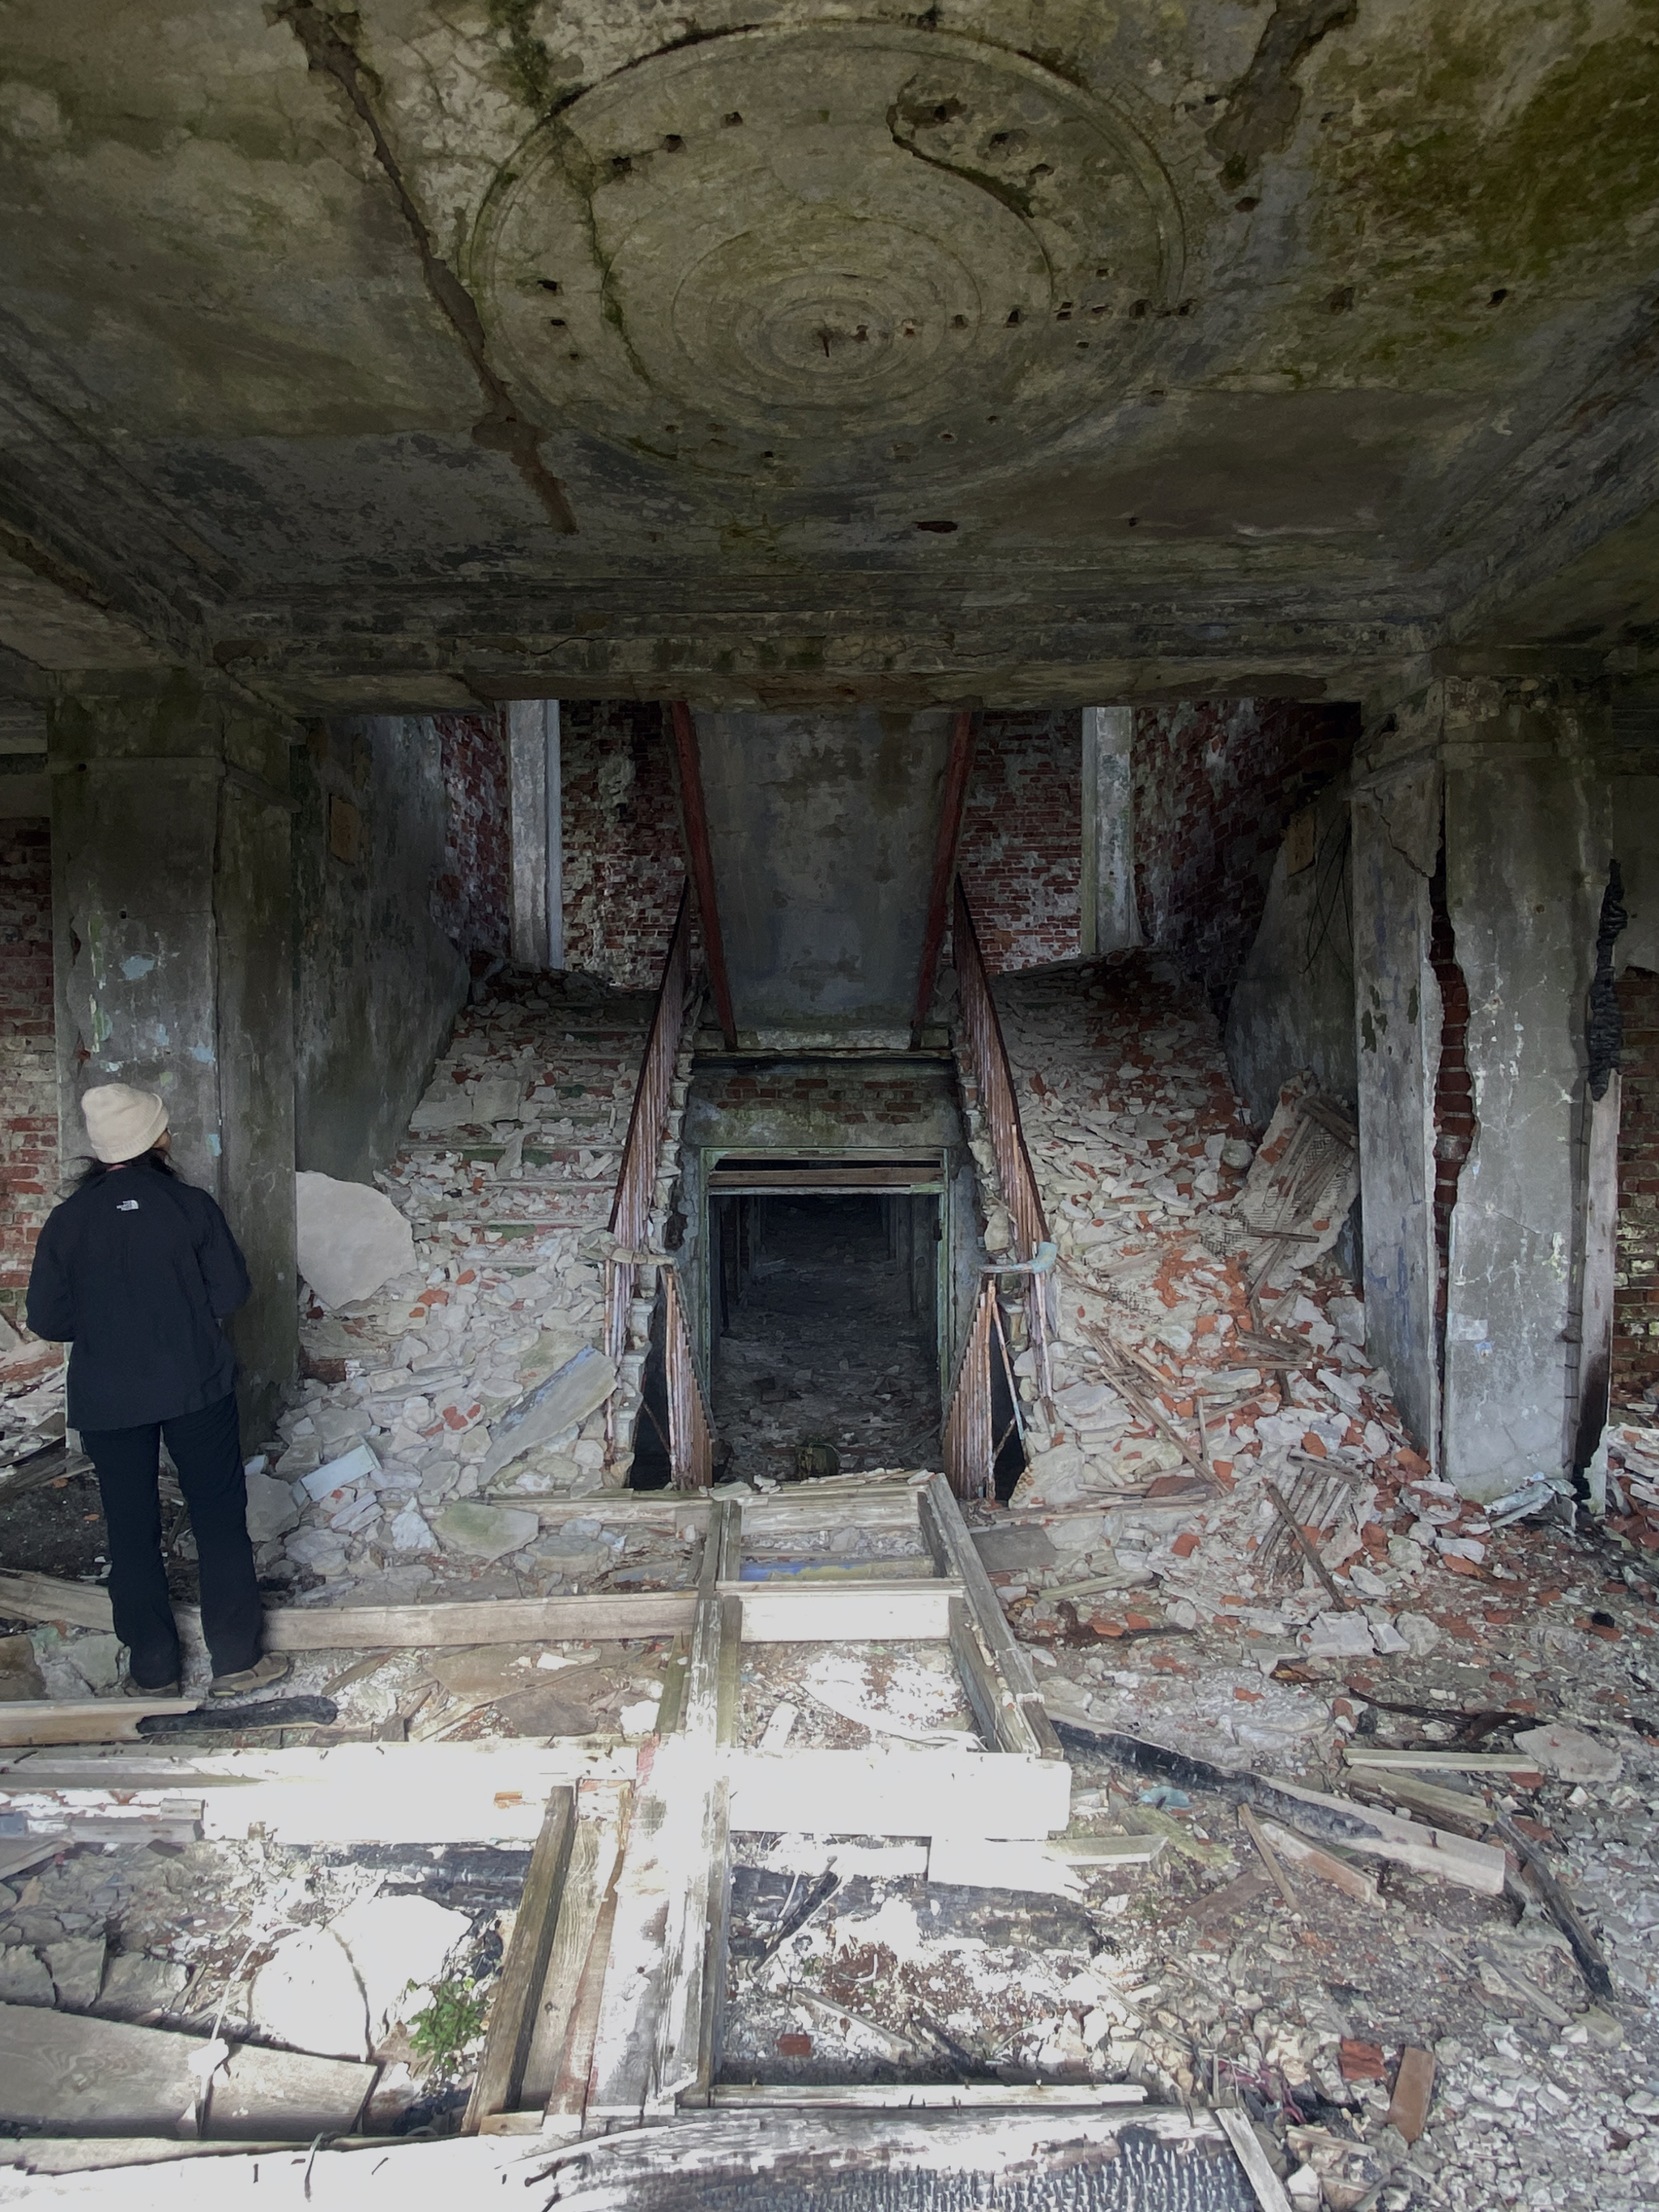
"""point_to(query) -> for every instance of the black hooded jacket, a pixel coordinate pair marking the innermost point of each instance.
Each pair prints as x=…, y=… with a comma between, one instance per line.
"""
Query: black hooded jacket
x=135, y=1271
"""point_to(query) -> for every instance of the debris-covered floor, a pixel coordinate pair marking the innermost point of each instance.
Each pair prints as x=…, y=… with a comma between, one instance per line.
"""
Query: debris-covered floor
x=1205, y=1350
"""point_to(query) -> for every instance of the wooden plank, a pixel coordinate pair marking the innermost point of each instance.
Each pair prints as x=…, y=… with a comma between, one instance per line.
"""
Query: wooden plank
x=1002, y=1722
x=67, y=2074
x=518, y=1993
x=1440, y=1762
x=1463, y=1811
x=48, y=1721
x=925, y=2096
x=832, y=1613
x=897, y=1793
x=1352, y=1880
x=1269, y=2189
x=699, y=854
x=957, y=1557
x=1269, y=1858
x=357, y=1793
x=602, y=1617
x=556, y=2064
x=1426, y=1850
x=46, y=1597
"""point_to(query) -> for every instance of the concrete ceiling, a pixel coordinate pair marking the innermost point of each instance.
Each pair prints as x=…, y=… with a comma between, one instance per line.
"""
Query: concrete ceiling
x=795, y=353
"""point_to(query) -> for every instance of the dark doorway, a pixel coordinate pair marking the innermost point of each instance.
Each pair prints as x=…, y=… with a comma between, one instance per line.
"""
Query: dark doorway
x=824, y=1332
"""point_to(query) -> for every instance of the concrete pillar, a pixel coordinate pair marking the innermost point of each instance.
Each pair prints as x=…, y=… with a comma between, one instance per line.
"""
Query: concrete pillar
x=1111, y=918
x=1396, y=797
x=171, y=894
x=537, y=818
x=1513, y=772
x=1528, y=835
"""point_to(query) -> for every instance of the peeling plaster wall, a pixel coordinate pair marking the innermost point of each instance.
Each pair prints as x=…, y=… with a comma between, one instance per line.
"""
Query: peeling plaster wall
x=1021, y=856
x=28, y=1067
x=1216, y=783
x=1636, y=1282
x=172, y=897
x=377, y=983
x=1292, y=1007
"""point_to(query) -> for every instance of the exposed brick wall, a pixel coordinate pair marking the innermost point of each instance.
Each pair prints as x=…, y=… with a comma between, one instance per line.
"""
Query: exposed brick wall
x=859, y=1101
x=1636, y=1298
x=1453, y=1090
x=1216, y=783
x=623, y=862
x=28, y=1073
x=472, y=898
x=1022, y=837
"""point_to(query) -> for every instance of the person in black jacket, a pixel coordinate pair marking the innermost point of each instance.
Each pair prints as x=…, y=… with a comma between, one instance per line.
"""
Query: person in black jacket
x=135, y=1270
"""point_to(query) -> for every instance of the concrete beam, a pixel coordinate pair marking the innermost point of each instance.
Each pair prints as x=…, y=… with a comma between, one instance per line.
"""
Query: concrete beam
x=1111, y=918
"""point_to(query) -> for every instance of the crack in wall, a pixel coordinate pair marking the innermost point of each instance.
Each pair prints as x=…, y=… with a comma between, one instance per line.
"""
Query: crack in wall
x=502, y=427
x=1262, y=108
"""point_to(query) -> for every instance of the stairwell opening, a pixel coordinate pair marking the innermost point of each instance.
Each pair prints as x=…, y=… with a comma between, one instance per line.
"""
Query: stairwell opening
x=824, y=1330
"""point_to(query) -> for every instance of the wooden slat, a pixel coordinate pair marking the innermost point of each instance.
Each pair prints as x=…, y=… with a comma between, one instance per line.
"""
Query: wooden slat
x=524, y=1970
x=925, y=2096
x=955, y=1555
x=561, y=2049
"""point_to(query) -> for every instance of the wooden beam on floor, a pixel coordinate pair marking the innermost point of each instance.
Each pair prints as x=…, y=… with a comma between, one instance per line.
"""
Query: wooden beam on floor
x=555, y=2084
x=499, y=2077
x=925, y=2096
x=699, y=855
x=1022, y=1723
x=897, y=1793
x=952, y=805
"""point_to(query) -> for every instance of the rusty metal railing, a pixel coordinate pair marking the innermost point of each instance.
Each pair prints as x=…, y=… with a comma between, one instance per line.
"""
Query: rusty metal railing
x=969, y=1445
x=970, y=1458
x=690, y=1436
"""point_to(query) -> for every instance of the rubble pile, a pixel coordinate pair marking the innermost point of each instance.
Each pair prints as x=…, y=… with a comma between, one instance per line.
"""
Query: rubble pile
x=468, y=1389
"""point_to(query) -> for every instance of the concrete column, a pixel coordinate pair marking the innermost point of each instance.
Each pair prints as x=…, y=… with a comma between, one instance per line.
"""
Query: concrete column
x=1396, y=835
x=1111, y=918
x=1528, y=835
x=536, y=817
x=173, y=963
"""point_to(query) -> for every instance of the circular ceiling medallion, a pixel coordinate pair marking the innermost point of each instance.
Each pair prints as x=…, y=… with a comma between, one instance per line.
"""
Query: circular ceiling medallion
x=818, y=252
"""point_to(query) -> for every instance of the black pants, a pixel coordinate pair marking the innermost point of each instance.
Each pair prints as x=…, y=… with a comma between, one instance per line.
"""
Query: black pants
x=206, y=1450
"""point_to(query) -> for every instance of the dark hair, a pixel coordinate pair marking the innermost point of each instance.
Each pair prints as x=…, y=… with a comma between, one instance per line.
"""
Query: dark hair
x=89, y=1170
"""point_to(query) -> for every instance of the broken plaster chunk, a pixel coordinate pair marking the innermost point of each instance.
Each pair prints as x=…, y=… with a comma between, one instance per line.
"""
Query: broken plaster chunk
x=1568, y=1754
x=393, y=1942
x=1339, y=1636
x=272, y=1511
x=352, y=1239
x=564, y=1400
x=1422, y=1635
x=23, y=1979
x=77, y=1968
x=483, y=1532
x=409, y=1533
x=137, y=1986
x=307, y=1996
x=354, y=1466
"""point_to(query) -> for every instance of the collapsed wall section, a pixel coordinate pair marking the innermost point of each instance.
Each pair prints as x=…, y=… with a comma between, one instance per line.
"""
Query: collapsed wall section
x=1216, y=784
x=623, y=855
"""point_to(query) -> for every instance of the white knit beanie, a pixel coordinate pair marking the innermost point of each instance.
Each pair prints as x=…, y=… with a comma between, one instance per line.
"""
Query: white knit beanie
x=123, y=1123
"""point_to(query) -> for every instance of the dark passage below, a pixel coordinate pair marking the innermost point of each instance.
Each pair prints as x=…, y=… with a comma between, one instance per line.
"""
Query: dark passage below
x=824, y=1332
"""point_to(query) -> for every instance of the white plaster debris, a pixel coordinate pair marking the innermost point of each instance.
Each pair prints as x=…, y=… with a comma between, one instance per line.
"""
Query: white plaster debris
x=416, y=1442
x=349, y=1238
